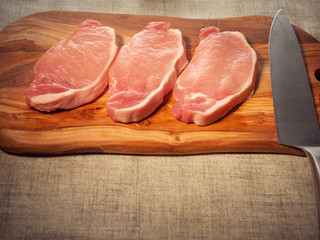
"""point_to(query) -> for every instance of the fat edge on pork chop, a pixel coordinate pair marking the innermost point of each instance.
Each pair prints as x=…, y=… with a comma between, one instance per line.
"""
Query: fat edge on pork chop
x=144, y=71
x=74, y=71
x=221, y=74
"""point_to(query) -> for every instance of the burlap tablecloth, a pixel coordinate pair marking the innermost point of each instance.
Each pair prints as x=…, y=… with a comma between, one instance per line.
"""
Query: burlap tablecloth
x=210, y=196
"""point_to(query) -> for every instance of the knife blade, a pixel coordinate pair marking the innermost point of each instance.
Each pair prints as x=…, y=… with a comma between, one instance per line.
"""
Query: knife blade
x=295, y=112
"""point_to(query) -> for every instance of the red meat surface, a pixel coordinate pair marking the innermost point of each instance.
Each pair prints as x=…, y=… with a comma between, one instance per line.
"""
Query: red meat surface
x=75, y=71
x=144, y=71
x=221, y=75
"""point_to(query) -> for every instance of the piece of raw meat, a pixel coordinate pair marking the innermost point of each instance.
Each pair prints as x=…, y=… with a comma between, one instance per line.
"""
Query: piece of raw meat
x=144, y=71
x=75, y=71
x=221, y=75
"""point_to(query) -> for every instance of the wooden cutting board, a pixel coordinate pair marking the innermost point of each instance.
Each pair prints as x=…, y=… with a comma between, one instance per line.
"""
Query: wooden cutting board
x=249, y=128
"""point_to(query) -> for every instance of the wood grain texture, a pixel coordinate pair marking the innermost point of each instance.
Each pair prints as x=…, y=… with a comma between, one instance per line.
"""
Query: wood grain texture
x=249, y=128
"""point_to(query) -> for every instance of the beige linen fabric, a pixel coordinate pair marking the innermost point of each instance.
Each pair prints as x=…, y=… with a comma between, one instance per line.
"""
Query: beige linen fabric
x=237, y=196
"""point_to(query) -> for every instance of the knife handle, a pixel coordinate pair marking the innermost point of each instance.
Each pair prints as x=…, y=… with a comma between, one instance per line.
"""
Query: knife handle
x=313, y=154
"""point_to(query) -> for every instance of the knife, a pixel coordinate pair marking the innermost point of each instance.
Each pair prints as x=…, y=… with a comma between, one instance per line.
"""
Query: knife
x=295, y=113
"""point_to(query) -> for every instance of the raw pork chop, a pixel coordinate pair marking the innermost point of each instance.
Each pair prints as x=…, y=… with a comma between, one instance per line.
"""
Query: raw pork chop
x=221, y=75
x=75, y=71
x=144, y=71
